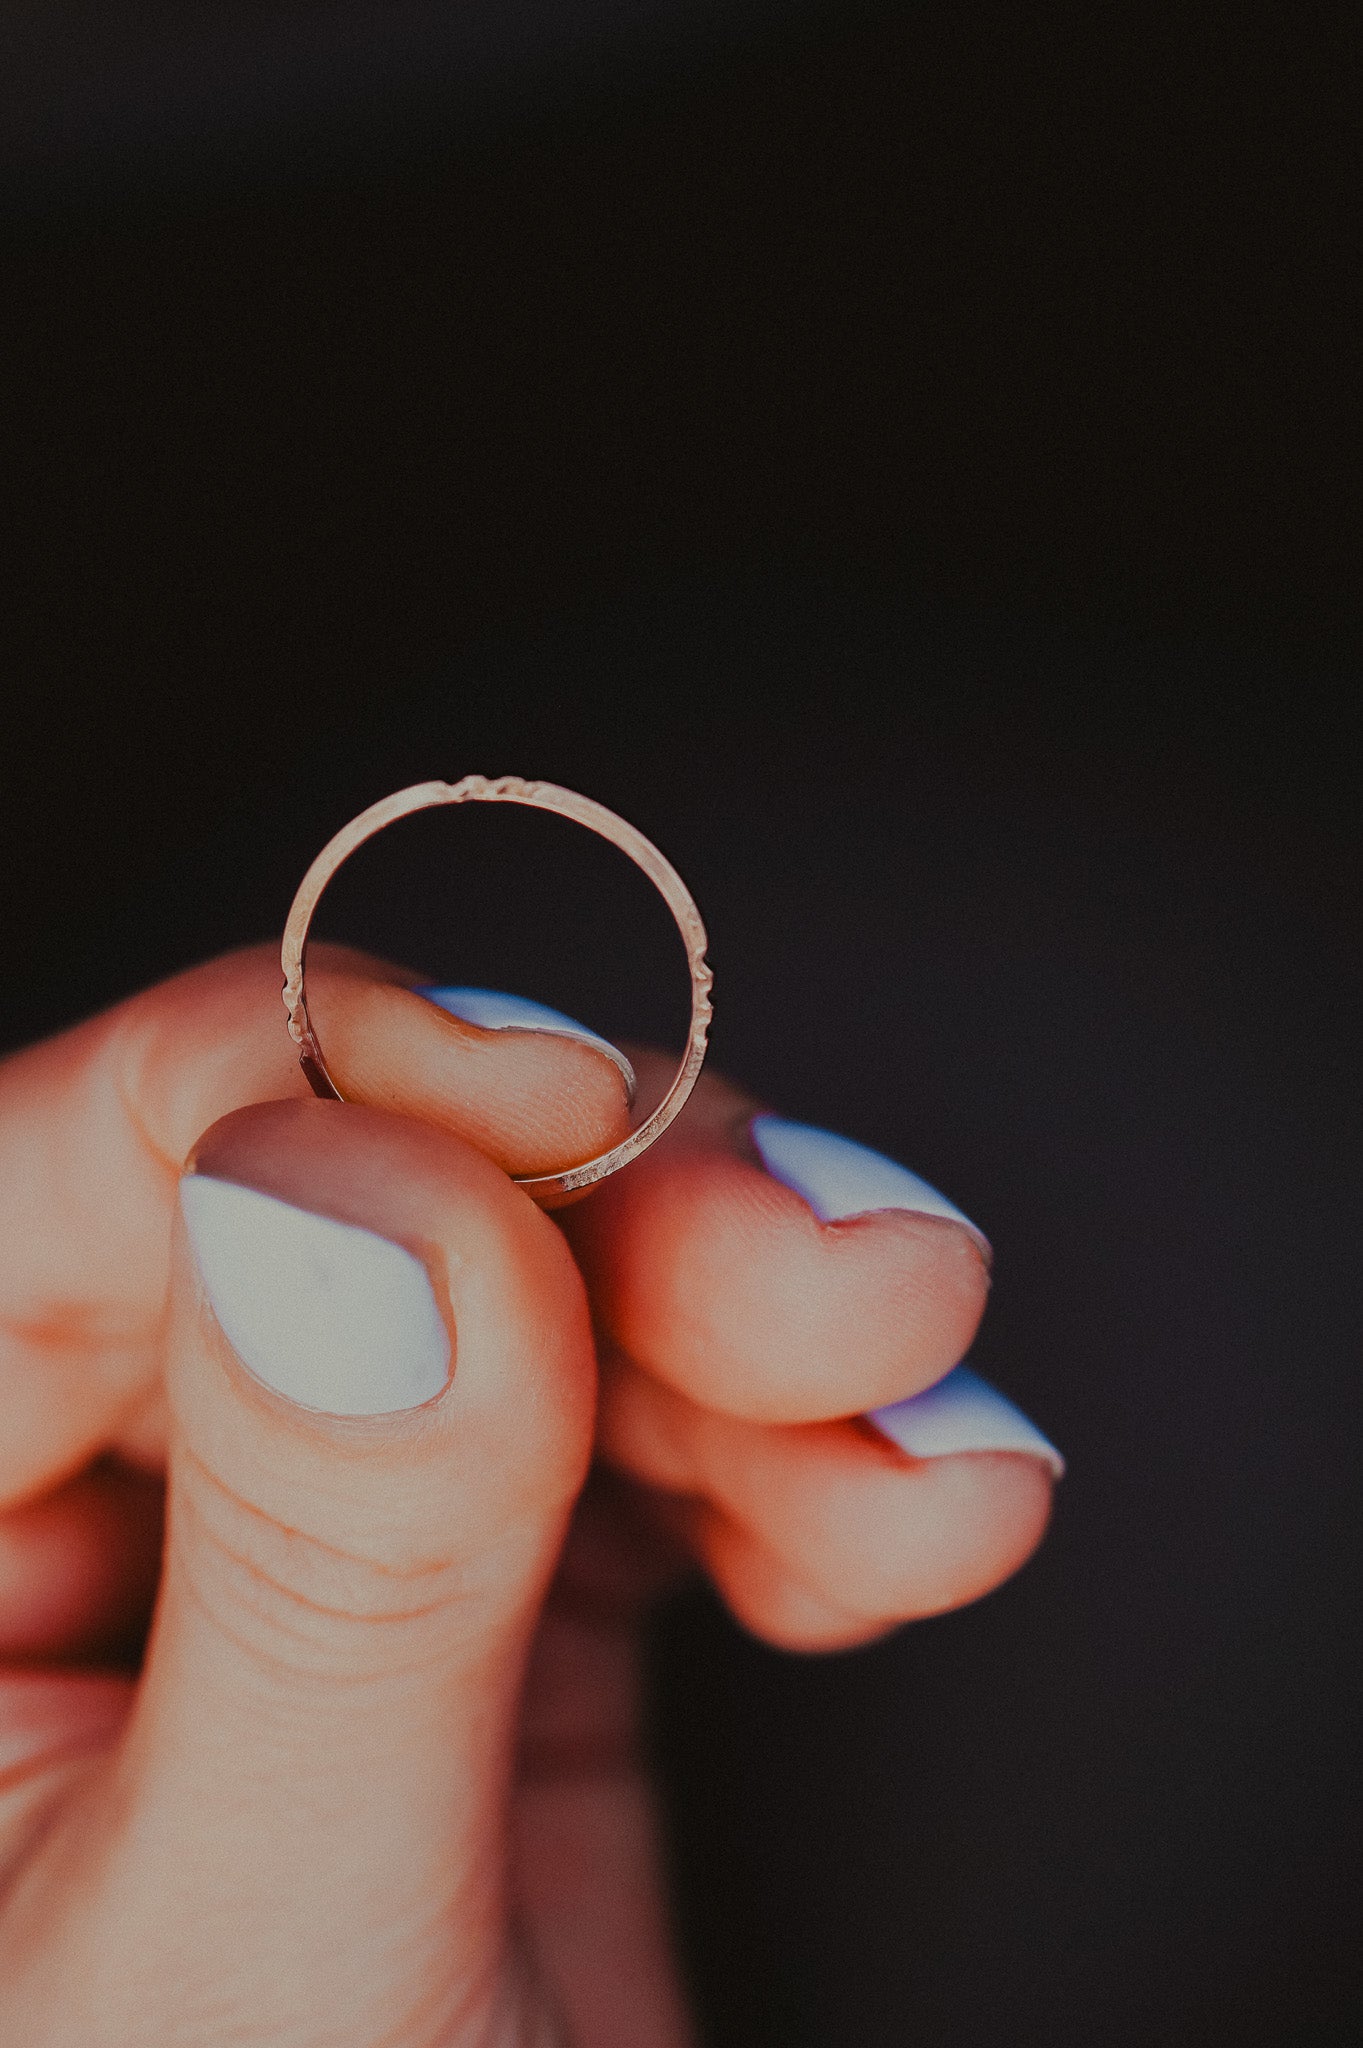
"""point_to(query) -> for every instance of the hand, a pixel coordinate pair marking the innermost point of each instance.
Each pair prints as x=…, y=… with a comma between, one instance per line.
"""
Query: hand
x=377, y=1778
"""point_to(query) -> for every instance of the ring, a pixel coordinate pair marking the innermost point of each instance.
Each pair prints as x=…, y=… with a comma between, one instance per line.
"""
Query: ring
x=540, y=796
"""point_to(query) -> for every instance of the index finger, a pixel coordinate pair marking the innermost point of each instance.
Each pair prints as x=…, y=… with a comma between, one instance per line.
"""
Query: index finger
x=95, y=1127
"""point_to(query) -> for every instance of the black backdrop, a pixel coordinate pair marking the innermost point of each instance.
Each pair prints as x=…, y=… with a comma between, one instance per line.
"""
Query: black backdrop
x=900, y=463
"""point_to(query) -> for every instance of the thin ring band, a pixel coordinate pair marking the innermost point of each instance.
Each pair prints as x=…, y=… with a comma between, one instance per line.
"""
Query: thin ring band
x=540, y=796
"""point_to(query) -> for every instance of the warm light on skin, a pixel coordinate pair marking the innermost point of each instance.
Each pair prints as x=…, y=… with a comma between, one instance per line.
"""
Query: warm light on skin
x=319, y=1752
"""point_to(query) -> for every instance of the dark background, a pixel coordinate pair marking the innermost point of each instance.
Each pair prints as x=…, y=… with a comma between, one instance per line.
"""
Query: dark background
x=901, y=459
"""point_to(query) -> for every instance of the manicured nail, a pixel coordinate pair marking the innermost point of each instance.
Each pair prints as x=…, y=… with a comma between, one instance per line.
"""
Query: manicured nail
x=335, y=1317
x=839, y=1178
x=963, y=1413
x=491, y=1010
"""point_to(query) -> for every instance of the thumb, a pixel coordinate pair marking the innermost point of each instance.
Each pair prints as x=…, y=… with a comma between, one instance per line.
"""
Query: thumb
x=381, y=1384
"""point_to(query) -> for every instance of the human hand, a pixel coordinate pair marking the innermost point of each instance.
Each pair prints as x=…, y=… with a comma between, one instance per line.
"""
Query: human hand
x=378, y=1778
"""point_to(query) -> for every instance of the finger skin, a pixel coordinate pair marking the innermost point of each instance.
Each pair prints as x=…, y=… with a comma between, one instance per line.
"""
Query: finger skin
x=322, y=1749
x=95, y=1126
x=760, y=1592
x=588, y=1851
x=826, y=1516
x=78, y=1570
x=45, y=1713
x=587, y=1837
x=531, y=1106
x=55, y=1727
x=720, y=1281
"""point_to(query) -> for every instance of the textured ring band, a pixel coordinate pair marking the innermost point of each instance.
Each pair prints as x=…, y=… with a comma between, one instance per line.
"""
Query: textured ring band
x=540, y=796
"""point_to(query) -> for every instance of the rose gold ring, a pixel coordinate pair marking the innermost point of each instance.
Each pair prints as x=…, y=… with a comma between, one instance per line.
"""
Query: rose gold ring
x=540, y=796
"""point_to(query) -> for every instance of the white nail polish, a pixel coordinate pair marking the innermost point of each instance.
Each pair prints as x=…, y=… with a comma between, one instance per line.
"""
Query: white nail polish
x=335, y=1317
x=839, y=1178
x=963, y=1413
x=491, y=1010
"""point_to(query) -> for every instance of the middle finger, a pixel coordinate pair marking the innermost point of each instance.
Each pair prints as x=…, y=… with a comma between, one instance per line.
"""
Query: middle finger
x=721, y=1279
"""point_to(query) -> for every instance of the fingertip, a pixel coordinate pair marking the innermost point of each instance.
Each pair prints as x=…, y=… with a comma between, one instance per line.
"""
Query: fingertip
x=826, y=1534
x=968, y=1523
x=368, y=1280
x=944, y=1532
x=493, y=1010
x=722, y=1281
x=769, y=1600
x=1014, y=1497
x=534, y=1097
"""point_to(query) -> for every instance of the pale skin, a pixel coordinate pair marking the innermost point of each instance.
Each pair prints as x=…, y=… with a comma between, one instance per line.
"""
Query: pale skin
x=377, y=1783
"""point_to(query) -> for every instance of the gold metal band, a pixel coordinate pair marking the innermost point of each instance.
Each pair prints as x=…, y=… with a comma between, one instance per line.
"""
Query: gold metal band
x=540, y=796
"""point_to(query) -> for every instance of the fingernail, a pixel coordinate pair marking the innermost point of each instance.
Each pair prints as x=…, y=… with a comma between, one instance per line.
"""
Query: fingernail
x=839, y=1178
x=963, y=1413
x=491, y=1010
x=335, y=1317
